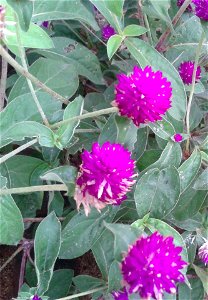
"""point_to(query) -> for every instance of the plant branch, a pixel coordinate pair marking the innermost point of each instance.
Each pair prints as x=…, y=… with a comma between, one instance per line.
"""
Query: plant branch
x=4, y=67
x=141, y=19
x=25, y=66
x=22, y=268
x=84, y=293
x=10, y=258
x=36, y=188
x=28, y=75
x=161, y=43
x=85, y=116
x=19, y=149
x=198, y=50
x=37, y=220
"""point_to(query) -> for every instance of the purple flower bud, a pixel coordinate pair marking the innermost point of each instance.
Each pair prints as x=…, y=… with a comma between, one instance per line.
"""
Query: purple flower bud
x=35, y=297
x=186, y=70
x=106, y=175
x=45, y=24
x=178, y=137
x=180, y=3
x=107, y=32
x=203, y=253
x=143, y=96
x=152, y=266
x=201, y=9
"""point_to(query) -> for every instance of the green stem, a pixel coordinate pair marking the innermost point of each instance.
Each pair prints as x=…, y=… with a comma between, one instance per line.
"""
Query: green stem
x=4, y=67
x=85, y=116
x=149, y=30
x=24, y=64
x=36, y=188
x=19, y=149
x=198, y=51
x=83, y=293
x=28, y=75
x=87, y=130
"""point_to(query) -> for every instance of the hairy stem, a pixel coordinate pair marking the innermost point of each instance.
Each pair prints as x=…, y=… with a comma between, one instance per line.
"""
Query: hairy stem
x=161, y=43
x=22, y=268
x=37, y=220
x=28, y=75
x=10, y=258
x=4, y=67
x=36, y=188
x=198, y=51
x=87, y=115
x=83, y=294
x=24, y=64
x=19, y=149
x=141, y=19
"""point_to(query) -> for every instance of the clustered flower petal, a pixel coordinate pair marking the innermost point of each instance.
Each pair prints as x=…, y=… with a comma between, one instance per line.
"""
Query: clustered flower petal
x=106, y=175
x=35, y=297
x=107, y=32
x=201, y=9
x=178, y=137
x=120, y=295
x=143, y=96
x=152, y=266
x=186, y=70
x=180, y=3
x=203, y=253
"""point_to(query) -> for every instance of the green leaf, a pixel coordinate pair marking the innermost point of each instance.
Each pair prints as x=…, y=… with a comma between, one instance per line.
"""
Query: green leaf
x=167, y=230
x=203, y=276
x=147, y=55
x=80, y=233
x=126, y=132
x=85, y=282
x=141, y=142
x=109, y=131
x=11, y=222
x=76, y=57
x=46, y=246
x=189, y=169
x=113, y=44
x=114, y=278
x=28, y=111
x=63, y=10
x=103, y=252
x=163, y=129
x=21, y=130
x=55, y=74
x=148, y=158
x=24, y=9
x=202, y=182
x=115, y=7
x=195, y=292
x=63, y=174
x=121, y=240
x=60, y=284
x=134, y=30
x=157, y=192
x=66, y=131
x=158, y=8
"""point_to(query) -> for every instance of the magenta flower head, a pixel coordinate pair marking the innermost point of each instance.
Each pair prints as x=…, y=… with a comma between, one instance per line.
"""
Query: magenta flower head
x=45, y=24
x=203, y=253
x=143, y=96
x=120, y=295
x=106, y=175
x=35, y=297
x=152, y=266
x=186, y=70
x=180, y=3
x=107, y=32
x=178, y=137
x=201, y=9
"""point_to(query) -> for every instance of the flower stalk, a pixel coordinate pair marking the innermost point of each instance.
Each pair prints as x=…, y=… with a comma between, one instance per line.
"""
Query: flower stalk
x=32, y=189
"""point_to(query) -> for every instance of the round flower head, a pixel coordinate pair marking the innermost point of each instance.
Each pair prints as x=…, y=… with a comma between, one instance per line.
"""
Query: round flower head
x=106, y=175
x=152, y=266
x=203, y=253
x=201, y=9
x=180, y=3
x=178, y=137
x=107, y=32
x=143, y=96
x=186, y=70
x=120, y=295
x=35, y=297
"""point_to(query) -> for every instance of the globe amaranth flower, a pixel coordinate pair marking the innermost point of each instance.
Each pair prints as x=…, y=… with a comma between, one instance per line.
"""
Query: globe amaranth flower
x=35, y=297
x=106, y=175
x=203, y=253
x=186, y=70
x=143, y=96
x=107, y=32
x=201, y=9
x=178, y=137
x=152, y=266
x=180, y=3
x=120, y=295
